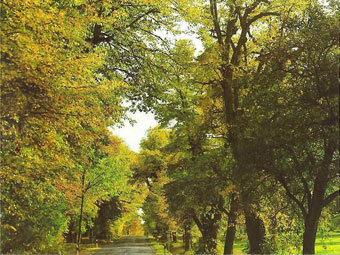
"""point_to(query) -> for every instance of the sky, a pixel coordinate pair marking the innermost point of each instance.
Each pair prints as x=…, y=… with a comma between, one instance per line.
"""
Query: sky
x=133, y=134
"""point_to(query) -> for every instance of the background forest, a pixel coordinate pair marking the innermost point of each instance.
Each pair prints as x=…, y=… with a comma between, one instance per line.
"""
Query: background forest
x=247, y=146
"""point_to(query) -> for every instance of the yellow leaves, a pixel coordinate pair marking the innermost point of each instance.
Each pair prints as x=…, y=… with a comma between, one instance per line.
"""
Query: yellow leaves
x=113, y=146
x=7, y=226
x=79, y=2
x=147, y=2
x=229, y=189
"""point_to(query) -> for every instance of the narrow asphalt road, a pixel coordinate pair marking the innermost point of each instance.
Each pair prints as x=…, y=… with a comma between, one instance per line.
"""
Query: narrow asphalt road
x=131, y=245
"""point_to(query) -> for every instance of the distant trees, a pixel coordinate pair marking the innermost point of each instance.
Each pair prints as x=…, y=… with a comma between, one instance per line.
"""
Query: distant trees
x=108, y=212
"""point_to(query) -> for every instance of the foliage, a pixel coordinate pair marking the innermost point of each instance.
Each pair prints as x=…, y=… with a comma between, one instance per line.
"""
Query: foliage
x=56, y=107
x=248, y=135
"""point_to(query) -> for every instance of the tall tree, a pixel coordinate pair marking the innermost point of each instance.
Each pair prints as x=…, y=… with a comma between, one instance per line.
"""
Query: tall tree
x=233, y=29
x=299, y=129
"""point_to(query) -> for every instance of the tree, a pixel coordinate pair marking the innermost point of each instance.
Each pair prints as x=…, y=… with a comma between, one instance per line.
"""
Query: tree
x=151, y=170
x=234, y=29
x=53, y=98
x=298, y=141
x=42, y=101
x=181, y=104
x=105, y=174
x=192, y=180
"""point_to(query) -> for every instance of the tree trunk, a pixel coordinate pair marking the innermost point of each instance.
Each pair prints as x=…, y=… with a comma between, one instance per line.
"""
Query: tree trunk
x=81, y=210
x=70, y=233
x=80, y=220
x=231, y=231
x=91, y=235
x=255, y=232
x=309, y=237
x=311, y=219
x=312, y=222
x=187, y=242
x=208, y=228
x=186, y=238
x=208, y=241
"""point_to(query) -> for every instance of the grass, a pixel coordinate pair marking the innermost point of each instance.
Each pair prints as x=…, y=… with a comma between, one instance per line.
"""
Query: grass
x=70, y=248
x=324, y=245
x=329, y=244
x=178, y=248
x=158, y=247
x=86, y=247
x=239, y=246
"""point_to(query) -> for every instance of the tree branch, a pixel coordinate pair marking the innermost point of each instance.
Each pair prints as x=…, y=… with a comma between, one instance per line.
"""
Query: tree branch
x=142, y=16
x=261, y=15
x=291, y=196
x=196, y=220
x=331, y=197
x=214, y=14
x=303, y=179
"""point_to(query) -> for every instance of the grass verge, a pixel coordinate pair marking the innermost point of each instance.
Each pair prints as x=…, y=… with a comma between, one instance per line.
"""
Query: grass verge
x=70, y=248
x=158, y=247
x=329, y=244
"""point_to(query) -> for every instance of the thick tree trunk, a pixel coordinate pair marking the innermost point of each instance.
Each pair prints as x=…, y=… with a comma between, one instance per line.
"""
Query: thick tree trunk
x=312, y=222
x=208, y=228
x=231, y=231
x=208, y=242
x=309, y=237
x=255, y=232
x=311, y=219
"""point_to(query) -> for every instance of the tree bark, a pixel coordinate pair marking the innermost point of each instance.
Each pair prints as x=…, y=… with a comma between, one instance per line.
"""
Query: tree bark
x=208, y=242
x=310, y=230
x=255, y=232
x=81, y=210
x=80, y=221
x=187, y=238
x=309, y=236
x=91, y=235
x=231, y=230
x=311, y=220
x=208, y=227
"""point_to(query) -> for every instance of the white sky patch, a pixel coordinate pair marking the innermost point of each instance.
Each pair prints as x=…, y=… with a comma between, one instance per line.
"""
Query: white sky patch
x=133, y=134
x=191, y=36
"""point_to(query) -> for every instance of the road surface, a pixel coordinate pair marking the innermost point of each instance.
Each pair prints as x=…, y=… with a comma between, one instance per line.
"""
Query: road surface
x=131, y=245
